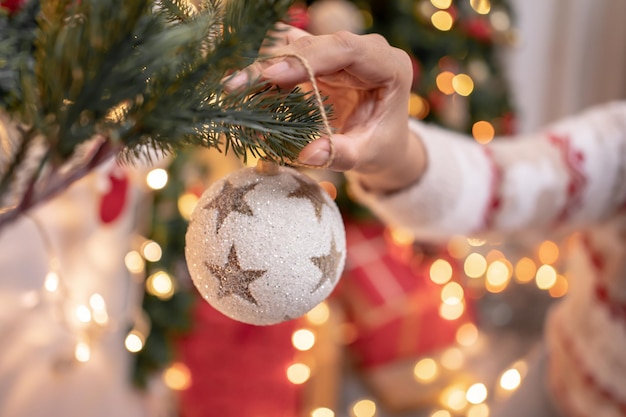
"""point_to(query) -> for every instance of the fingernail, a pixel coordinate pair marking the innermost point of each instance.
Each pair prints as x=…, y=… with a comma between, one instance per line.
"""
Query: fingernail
x=236, y=81
x=276, y=69
x=317, y=158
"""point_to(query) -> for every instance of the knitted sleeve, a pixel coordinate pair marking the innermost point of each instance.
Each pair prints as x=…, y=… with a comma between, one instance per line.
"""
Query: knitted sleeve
x=571, y=173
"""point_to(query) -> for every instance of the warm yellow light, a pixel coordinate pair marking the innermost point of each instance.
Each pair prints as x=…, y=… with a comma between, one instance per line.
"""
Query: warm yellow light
x=364, y=408
x=303, y=339
x=151, y=251
x=330, y=189
x=97, y=302
x=481, y=6
x=476, y=242
x=161, y=285
x=500, y=20
x=83, y=313
x=444, y=82
x=458, y=247
x=425, y=370
x=319, y=314
x=478, y=410
x=401, y=237
x=186, y=203
x=483, y=132
x=452, y=359
x=463, y=84
x=177, y=376
x=475, y=265
x=134, y=341
x=441, y=4
x=548, y=252
x=441, y=413
x=498, y=273
x=476, y=393
x=82, y=352
x=298, y=373
x=418, y=106
x=546, y=277
x=452, y=293
x=560, y=287
x=451, y=312
x=525, y=270
x=322, y=412
x=157, y=178
x=51, y=282
x=440, y=271
x=510, y=379
x=453, y=397
x=442, y=20
x=134, y=262
x=467, y=334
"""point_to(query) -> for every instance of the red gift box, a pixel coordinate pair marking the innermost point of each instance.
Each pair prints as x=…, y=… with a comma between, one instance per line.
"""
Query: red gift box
x=390, y=298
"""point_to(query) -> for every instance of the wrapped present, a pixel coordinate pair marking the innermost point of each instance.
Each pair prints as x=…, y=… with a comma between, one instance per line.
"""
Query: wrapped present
x=396, y=310
x=242, y=370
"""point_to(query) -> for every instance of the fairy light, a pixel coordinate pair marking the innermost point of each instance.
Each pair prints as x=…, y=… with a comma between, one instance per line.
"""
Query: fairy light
x=497, y=277
x=452, y=359
x=441, y=4
x=478, y=410
x=441, y=413
x=161, y=285
x=322, y=412
x=453, y=397
x=548, y=252
x=451, y=312
x=458, y=247
x=500, y=20
x=444, y=82
x=425, y=370
x=134, y=341
x=51, y=282
x=151, y=251
x=418, y=106
x=467, y=334
x=481, y=6
x=319, y=315
x=330, y=188
x=83, y=313
x=440, y=271
x=463, y=84
x=483, y=132
x=186, y=203
x=401, y=237
x=510, y=379
x=546, y=277
x=560, y=287
x=475, y=265
x=298, y=373
x=476, y=242
x=452, y=293
x=134, y=262
x=177, y=376
x=525, y=270
x=157, y=178
x=303, y=339
x=476, y=394
x=364, y=408
x=442, y=20
x=98, y=307
x=82, y=352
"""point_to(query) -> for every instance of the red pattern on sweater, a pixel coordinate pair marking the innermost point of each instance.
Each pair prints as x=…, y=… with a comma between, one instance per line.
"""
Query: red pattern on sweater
x=574, y=160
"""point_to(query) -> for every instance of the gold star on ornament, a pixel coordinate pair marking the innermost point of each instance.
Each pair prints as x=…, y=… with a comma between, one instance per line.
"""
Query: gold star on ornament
x=230, y=199
x=233, y=279
x=313, y=192
x=327, y=264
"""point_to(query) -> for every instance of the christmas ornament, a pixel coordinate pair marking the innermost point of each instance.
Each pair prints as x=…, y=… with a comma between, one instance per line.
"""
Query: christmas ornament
x=265, y=246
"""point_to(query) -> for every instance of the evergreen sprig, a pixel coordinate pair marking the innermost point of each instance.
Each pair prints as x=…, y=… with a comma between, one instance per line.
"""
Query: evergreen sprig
x=142, y=76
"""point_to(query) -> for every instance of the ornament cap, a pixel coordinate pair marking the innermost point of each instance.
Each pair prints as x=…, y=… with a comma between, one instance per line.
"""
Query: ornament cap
x=267, y=167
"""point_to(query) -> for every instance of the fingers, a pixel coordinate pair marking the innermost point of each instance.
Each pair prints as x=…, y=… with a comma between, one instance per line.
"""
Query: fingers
x=343, y=152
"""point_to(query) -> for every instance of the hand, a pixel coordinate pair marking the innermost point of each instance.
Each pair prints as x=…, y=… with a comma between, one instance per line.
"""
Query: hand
x=368, y=84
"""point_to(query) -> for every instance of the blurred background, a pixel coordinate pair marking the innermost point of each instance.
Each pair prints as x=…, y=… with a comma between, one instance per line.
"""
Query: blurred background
x=99, y=317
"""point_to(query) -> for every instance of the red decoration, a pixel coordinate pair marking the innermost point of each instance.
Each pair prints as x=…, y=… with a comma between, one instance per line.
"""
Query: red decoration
x=479, y=29
x=112, y=203
x=238, y=369
x=298, y=16
x=11, y=5
x=391, y=300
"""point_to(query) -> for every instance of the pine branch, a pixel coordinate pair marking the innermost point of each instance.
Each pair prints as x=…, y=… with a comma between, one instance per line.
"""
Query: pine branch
x=148, y=78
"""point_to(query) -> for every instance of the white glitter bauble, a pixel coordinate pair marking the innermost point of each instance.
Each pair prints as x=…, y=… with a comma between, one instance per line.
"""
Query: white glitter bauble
x=265, y=248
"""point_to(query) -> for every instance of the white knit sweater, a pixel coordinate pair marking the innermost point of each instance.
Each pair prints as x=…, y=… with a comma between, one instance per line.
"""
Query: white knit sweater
x=572, y=175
